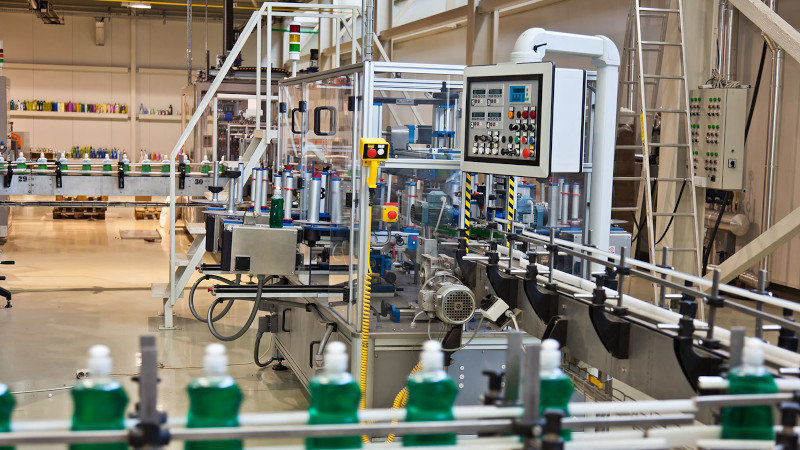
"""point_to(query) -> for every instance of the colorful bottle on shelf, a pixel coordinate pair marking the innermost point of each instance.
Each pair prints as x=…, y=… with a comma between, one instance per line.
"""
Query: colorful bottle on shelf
x=21, y=162
x=7, y=404
x=214, y=400
x=100, y=402
x=164, y=164
x=276, y=204
x=556, y=387
x=41, y=163
x=431, y=394
x=334, y=399
x=750, y=422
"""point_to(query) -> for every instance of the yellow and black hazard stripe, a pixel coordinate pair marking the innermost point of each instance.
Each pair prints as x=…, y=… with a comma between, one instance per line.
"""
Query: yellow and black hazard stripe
x=510, y=215
x=467, y=204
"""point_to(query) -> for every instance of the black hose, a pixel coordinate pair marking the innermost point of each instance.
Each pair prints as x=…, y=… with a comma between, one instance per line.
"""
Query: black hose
x=253, y=313
x=755, y=91
x=674, y=210
x=194, y=288
x=256, y=352
x=707, y=251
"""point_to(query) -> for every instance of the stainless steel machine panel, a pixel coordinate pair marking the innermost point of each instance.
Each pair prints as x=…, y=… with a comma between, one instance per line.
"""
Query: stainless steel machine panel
x=270, y=250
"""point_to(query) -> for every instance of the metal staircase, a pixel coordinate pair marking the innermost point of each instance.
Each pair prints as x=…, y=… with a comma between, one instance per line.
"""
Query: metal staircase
x=653, y=96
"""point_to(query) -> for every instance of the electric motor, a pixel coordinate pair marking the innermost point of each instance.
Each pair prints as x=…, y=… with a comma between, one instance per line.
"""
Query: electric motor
x=445, y=297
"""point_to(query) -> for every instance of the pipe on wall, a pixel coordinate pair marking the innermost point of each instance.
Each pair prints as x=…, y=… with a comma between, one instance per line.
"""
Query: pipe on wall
x=775, y=106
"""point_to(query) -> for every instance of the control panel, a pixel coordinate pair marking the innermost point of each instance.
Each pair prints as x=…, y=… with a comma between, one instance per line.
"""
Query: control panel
x=718, y=119
x=509, y=118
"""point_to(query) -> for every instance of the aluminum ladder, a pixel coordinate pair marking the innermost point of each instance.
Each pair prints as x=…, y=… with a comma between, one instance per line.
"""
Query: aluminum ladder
x=649, y=97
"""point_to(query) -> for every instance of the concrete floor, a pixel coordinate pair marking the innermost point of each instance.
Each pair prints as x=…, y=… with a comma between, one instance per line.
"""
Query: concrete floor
x=76, y=284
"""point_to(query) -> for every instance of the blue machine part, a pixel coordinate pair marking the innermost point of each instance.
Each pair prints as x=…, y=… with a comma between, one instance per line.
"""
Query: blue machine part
x=531, y=214
x=411, y=131
x=380, y=264
x=432, y=207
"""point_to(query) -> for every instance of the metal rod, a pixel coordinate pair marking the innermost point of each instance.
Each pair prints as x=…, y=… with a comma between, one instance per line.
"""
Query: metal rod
x=712, y=312
x=761, y=289
x=776, y=104
x=662, y=294
x=621, y=275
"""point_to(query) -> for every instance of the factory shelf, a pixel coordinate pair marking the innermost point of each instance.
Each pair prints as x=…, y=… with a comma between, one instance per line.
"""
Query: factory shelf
x=158, y=118
x=68, y=115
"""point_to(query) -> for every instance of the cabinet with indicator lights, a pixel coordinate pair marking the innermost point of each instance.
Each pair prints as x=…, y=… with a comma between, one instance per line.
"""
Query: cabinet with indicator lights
x=717, y=123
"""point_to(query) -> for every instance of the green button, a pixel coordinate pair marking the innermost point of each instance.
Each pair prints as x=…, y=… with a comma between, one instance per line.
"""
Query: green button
x=708, y=153
x=516, y=139
x=716, y=154
x=709, y=127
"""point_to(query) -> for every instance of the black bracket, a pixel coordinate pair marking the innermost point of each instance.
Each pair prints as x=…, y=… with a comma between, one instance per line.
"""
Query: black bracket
x=505, y=286
x=614, y=334
x=451, y=340
x=786, y=438
x=464, y=269
x=544, y=303
x=182, y=178
x=557, y=329
x=787, y=339
x=692, y=364
x=58, y=176
x=8, y=177
x=120, y=175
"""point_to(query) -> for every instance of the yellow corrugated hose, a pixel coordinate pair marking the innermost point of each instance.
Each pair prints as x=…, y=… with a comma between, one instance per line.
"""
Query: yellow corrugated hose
x=365, y=312
x=401, y=399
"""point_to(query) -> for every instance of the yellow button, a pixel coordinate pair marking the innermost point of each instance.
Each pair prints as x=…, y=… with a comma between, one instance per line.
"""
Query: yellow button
x=511, y=114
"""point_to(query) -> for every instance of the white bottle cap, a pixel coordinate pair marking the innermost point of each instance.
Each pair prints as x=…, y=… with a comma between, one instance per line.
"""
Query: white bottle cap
x=21, y=156
x=106, y=155
x=335, y=358
x=99, y=363
x=215, y=362
x=41, y=156
x=124, y=156
x=432, y=357
x=550, y=355
x=753, y=352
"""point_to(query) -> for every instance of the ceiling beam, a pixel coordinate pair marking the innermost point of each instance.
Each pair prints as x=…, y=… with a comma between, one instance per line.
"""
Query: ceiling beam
x=489, y=6
x=437, y=20
x=771, y=24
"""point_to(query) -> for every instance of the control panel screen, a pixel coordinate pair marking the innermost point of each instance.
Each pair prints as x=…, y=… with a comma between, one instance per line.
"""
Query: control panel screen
x=518, y=94
x=505, y=129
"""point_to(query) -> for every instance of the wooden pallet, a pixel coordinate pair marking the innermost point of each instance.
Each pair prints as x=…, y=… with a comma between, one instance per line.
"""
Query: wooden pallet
x=79, y=213
x=142, y=213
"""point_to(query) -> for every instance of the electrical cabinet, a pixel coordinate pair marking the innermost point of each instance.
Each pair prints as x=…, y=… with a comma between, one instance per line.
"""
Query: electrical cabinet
x=718, y=119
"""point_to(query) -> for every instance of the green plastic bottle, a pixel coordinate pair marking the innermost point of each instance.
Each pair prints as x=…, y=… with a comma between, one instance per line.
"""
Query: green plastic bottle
x=86, y=163
x=555, y=386
x=21, y=162
x=164, y=164
x=276, y=205
x=145, y=163
x=431, y=394
x=100, y=402
x=750, y=422
x=334, y=399
x=205, y=168
x=6, y=406
x=214, y=400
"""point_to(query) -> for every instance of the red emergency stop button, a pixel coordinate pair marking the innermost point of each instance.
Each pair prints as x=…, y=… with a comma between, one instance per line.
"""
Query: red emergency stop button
x=371, y=153
x=526, y=153
x=392, y=215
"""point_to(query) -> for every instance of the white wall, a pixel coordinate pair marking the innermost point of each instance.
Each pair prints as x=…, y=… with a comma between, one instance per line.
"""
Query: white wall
x=159, y=45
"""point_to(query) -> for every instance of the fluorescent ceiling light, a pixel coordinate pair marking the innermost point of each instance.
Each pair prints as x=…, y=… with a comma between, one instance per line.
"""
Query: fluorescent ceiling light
x=138, y=5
